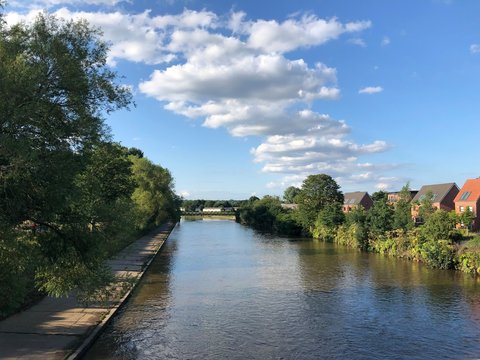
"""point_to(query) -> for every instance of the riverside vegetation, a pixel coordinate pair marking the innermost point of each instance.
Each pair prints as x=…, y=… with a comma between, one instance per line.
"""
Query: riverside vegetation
x=70, y=197
x=385, y=228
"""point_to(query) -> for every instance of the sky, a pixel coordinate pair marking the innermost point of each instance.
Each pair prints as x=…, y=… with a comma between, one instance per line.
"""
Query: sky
x=249, y=97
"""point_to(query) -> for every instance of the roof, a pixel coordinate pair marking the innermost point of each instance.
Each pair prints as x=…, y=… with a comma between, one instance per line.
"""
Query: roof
x=354, y=198
x=439, y=191
x=470, y=191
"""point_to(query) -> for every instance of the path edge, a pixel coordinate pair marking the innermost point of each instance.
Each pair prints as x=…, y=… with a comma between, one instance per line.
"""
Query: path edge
x=96, y=332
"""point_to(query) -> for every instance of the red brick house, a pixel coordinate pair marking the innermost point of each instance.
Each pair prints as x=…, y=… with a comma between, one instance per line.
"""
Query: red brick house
x=354, y=199
x=443, y=196
x=393, y=197
x=469, y=198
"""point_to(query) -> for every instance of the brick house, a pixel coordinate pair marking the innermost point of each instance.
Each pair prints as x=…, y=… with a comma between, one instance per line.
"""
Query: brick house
x=443, y=196
x=469, y=198
x=393, y=197
x=354, y=199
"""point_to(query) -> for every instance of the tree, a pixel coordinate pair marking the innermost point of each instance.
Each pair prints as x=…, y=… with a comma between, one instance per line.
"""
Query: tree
x=54, y=86
x=154, y=197
x=290, y=194
x=402, y=218
x=380, y=216
x=426, y=206
x=317, y=192
x=438, y=226
x=466, y=218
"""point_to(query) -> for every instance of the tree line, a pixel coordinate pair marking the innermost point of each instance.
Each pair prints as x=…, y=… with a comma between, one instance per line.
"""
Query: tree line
x=70, y=196
x=385, y=228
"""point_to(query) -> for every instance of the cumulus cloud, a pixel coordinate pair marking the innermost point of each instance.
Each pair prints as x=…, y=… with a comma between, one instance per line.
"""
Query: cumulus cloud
x=236, y=73
x=371, y=90
x=475, y=48
x=52, y=3
x=385, y=41
x=271, y=36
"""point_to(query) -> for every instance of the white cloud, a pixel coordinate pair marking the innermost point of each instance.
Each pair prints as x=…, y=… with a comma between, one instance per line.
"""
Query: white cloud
x=385, y=41
x=185, y=193
x=475, y=48
x=371, y=90
x=358, y=41
x=51, y=3
x=271, y=36
x=235, y=73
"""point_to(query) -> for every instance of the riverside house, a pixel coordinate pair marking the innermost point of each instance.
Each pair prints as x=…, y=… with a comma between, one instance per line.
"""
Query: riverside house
x=354, y=199
x=443, y=196
x=469, y=198
x=393, y=197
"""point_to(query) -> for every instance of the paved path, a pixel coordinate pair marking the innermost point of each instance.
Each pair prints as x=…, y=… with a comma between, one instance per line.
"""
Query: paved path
x=59, y=328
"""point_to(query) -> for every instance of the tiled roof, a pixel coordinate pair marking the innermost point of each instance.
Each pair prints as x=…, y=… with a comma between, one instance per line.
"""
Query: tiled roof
x=470, y=191
x=354, y=198
x=439, y=191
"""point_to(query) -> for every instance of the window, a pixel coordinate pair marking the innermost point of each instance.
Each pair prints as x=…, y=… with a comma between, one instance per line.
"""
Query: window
x=470, y=208
x=465, y=195
x=462, y=209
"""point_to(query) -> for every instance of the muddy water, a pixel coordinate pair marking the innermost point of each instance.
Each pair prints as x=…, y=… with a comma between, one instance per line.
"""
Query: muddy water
x=219, y=290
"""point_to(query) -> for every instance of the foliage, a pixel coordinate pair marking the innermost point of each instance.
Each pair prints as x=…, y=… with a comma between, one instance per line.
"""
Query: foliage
x=154, y=199
x=267, y=215
x=439, y=226
x=380, y=216
x=328, y=219
x=466, y=218
x=438, y=254
x=66, y=193
x=357, y=220
x=290, y=194
x=402, y=218
x=469, y=260
x=317, y=192
x=426, y=206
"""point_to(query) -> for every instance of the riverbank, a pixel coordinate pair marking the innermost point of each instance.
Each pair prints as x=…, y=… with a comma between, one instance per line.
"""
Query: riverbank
x=59, y=328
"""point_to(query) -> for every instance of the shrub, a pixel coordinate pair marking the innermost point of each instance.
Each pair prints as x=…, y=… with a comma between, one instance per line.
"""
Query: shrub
x=438, y=254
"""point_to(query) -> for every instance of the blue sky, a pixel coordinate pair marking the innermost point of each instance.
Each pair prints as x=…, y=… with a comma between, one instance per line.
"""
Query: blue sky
x=249, y=97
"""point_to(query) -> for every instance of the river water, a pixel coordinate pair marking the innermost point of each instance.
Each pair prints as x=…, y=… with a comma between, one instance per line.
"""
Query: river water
x=219, y=290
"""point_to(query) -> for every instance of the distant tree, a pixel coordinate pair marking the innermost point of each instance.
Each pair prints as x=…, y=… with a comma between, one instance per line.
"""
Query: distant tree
x=402, y=217
x=290, y=194
x=466, y=218
x=438, y=226
x=330, y=216
x=380, y=216
x=316, y=193
x=253, y=199
x=357, y=218
x=136, y=152
x=425, y=204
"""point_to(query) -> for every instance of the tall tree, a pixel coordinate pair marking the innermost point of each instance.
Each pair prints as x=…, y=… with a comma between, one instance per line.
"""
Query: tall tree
x=316, y=193
x=55, y=87
x=380, y=216
x=290, y=194
x=402, y=217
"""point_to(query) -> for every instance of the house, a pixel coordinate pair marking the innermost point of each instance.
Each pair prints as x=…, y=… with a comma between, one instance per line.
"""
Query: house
x=289, y=206
x=212, y=209
x=469, y=198
x=354, y=199
x=393, y=197
x=443, y=196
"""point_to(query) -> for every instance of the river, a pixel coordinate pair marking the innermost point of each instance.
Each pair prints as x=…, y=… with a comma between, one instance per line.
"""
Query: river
x=219, y=290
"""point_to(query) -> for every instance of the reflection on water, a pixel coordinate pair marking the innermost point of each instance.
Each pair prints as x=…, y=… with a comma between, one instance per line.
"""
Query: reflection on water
x=219, y=290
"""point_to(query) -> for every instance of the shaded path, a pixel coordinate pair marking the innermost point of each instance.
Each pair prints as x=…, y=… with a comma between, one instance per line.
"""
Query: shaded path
x=55, y=328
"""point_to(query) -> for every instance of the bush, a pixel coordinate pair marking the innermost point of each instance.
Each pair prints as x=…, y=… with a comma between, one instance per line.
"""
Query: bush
x=438, y=254
x=468, y=261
